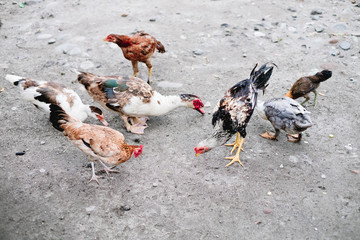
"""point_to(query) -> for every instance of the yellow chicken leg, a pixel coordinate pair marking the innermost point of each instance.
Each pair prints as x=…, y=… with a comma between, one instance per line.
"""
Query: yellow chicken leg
x=150, y=71
x=236, y=158
x=236, y=144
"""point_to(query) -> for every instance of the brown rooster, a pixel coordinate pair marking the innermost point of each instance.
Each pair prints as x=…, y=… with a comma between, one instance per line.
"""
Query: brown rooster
x=138, y=48
x=100, y=143
x=304, y=85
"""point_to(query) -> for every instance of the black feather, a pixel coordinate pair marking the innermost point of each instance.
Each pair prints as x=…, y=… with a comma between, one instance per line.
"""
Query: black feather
x=86, y=143
x=57, y=114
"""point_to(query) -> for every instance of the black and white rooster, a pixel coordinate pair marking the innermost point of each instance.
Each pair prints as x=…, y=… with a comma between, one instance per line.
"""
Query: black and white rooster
x=233, y=112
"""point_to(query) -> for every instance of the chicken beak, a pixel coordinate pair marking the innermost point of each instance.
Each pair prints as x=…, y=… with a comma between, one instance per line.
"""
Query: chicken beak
x=200, y=110
x=105, y=39
x=102, y=120
x=197, y=154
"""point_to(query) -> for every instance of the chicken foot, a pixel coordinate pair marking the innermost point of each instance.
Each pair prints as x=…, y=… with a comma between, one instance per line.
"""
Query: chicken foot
x=270, y=135
x=236, y=144
x=107, y=169
x=236, y=158
x=294, y=137
x=137, y=129
x=94, y=177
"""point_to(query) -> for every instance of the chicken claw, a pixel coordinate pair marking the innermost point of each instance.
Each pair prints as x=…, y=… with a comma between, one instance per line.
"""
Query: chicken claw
x=236, y=144
x=107, y=169
x=94, y=177
x=235, y=158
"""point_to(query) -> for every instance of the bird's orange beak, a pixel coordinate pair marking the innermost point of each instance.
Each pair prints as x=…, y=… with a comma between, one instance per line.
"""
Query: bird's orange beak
x=197, y=154
x=105, y=39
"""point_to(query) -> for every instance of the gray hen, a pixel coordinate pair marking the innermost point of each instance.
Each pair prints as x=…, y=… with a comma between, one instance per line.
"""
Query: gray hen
x=286, y=114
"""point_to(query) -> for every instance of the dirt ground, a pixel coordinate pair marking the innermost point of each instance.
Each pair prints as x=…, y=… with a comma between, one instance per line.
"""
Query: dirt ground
x=306, y=190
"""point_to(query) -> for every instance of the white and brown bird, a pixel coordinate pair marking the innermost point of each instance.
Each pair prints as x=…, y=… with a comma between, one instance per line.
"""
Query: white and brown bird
x=134, y=99
x=102, y=144
x=233, y=112
x=138, y=48
x=42, y=94
x=284, y=114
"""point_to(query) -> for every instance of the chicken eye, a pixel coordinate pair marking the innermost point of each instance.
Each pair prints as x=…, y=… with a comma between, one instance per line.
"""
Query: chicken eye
x=248, y=99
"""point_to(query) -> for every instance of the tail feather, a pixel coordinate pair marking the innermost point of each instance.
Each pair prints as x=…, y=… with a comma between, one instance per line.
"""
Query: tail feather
x=260, y=77
x=13, y=79
x=59, y=118
x=160, y=47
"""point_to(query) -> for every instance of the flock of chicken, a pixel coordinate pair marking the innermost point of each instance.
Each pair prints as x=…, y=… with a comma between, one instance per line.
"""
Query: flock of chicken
x=135, y=101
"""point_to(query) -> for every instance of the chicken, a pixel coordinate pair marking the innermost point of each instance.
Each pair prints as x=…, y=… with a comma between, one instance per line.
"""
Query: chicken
x=233, y=112
x=101, y=143
x=138, y=48
x=134, y=99
x=42, y=94
x=304, y=85
x=286, y=114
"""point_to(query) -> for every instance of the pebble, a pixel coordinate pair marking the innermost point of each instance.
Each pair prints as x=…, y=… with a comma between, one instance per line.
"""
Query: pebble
x=267, y=211
x=20, y=153
x=52, y=41
x=316, y=12
x=198, y=52
x=13, y=108
x=281, y=166
x=75, y=51
x=44, y=36
x=152, y=19
x=42, y=170
x=259, y=34
x=293, y=159
x=291, y=9
x=224, y=25
x=323, y=176
x=339, y=27
x=344, y=45
x=333, y=41
x=126, y=208
x=154, y=184
x=183, y=37
x=275, y=38
x=42, y=142
x=87, y=65
x=348, y=147
x=315, y=17
x=65, y=48
x=319, y=29
x=90, y=209
x=334, y=52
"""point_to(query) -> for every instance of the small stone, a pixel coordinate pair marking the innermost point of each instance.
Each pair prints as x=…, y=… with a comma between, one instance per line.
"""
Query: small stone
x=316, y=12
x=292, y=29
x=198, y=52
x=339, y=27
x=345, y=45
x=315, y=17
x=333, y=41
x=331, y=136
x=42, y=170
x=152, y=19
x=183, y=37
x=323, y=176
x=87, y=65
x=124, y=15
x=224, y=25
x=42, y=142
x=267, y=211
x=13, y=108
x=259, y=34
x=269, y=193
x=125, y=208
x=319, y=29
x=154, y=184
x=75, y=51
x=348, y=147
x=334, y=52
x=291, y=9
x=44, y=36
x=281, y=166
x=52, y=41
x=90, y=209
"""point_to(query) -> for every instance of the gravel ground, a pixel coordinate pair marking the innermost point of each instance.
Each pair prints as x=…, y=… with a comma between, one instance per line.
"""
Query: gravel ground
x=306, y=190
